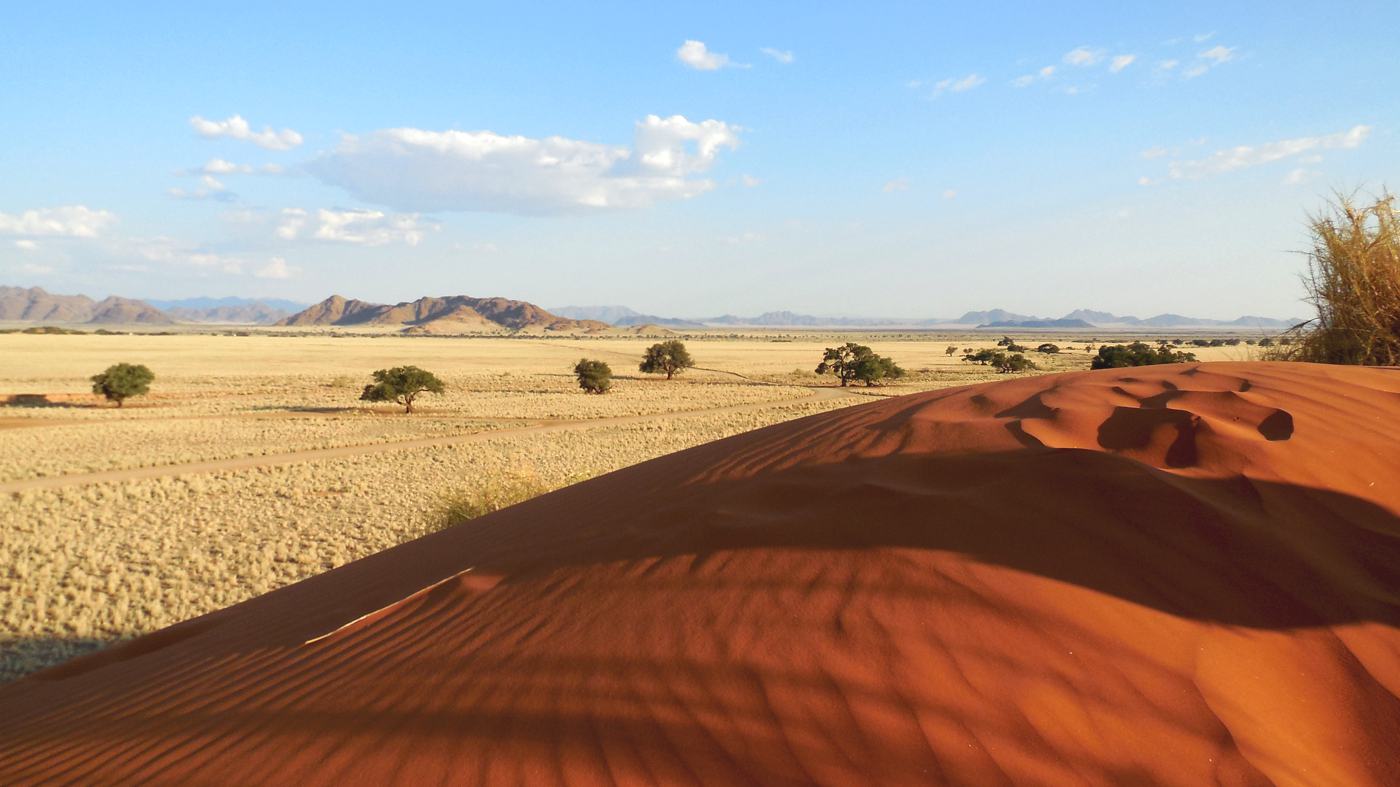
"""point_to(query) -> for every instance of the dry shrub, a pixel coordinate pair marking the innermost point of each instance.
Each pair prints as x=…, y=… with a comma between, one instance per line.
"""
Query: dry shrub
x=1353, y=281
x=490, y=494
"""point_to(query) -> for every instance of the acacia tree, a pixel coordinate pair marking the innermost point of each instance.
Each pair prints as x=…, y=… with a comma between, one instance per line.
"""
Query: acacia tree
x=873, y=368
x=593, y=376
x=853, y=361
x=669, y=358
x=401, y=384
x=123, y=380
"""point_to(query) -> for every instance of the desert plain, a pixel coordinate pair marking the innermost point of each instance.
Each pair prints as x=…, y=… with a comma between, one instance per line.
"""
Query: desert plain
x=252, y=463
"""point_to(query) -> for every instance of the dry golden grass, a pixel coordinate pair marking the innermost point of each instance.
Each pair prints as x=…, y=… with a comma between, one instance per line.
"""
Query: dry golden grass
x=1353, y=280
x=85, y=565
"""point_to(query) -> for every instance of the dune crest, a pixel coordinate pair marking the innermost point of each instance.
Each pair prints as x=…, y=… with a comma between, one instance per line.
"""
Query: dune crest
x=1178, y=575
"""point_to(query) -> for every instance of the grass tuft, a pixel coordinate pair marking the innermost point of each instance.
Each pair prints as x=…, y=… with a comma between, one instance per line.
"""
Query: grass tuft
x=1353, y=280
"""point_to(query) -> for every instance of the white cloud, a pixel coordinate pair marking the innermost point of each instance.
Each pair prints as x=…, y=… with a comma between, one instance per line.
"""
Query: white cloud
x=1121, y=62
x=1154, y=152
x=26, y=245
x=293, y=221
x=416, y=170
x=1219, y=54
x=169, y=251
x=277, y=268
x=957, y=85
x=235, y=127
x=358, y=227
x=782, y=56
x=898, y=184
x=1209, y=59
x=68, y=221
x=1244, y=156
x=747, y=237
x=1167, y=65
x=1029, y=79
x=1083, y=56
x=218, y=166
x=35, y=269
x=1298, y=176
x=1146, y=181
x=1201, y=38
x=750, y=181
x=699, y=57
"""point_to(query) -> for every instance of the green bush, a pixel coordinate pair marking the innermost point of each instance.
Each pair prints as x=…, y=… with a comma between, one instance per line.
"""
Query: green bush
x=594, y=377
x=122, y=381
x=1118, y=356
x=401, y=384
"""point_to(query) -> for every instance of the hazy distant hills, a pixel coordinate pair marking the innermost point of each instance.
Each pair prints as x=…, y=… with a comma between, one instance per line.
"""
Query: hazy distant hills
x=621, y=316
x=463, y=314
x=35, y=304
x=451, y=314
x=990, y=318
x=259, y=311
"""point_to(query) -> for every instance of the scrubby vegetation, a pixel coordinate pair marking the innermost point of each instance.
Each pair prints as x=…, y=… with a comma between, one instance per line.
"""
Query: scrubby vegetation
x=1048, y=348
x=594, y=377
x=401, y=384
x=122, y=381
x=1003, y=362
x=669, y=358
x=491, y=494
x=855, y=362
x=1117, y=356
x=1353, y=281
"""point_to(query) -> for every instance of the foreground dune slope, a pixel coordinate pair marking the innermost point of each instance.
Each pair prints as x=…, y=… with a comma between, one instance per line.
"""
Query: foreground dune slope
x=1179, y=575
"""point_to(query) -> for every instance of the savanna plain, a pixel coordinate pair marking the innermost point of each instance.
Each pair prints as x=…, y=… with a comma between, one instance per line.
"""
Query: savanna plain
x=253, y=464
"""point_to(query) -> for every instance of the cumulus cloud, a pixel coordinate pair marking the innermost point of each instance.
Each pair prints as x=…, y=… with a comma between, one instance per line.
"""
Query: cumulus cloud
x=1243, y=156
x=898, y=184
x=1083, y=56
x=750, y=181
x=210, y=188
x=68, y=221
x=168, y=251
x=358, y=227
x=1027, y=80
x=1298, y=176
x=277, y=268
x=782, y=56
x=1209, y=59
x=417, y=170
x=957, y=85
x=235, y=127
x=218, y=166
x=1154, y=152
x=25, y=244
x=1121, y=62
x=699, y=57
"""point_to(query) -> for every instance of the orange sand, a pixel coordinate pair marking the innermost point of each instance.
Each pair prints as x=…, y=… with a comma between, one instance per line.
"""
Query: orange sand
x=1178, y=575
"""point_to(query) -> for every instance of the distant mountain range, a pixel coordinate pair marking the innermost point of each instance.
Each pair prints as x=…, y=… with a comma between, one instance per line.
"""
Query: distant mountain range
x=991, y=318
x=35, y=304
x=451, y=314
x=463, y=314
x=256, y=311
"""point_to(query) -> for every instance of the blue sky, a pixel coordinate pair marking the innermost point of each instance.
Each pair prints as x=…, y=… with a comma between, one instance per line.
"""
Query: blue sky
x=878, y=159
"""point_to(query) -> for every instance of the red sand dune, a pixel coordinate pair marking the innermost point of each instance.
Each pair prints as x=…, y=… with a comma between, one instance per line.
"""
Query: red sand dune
x=1177, y=575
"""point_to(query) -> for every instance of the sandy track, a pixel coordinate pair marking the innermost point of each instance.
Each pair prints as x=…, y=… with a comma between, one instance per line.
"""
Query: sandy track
x=338, y=452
